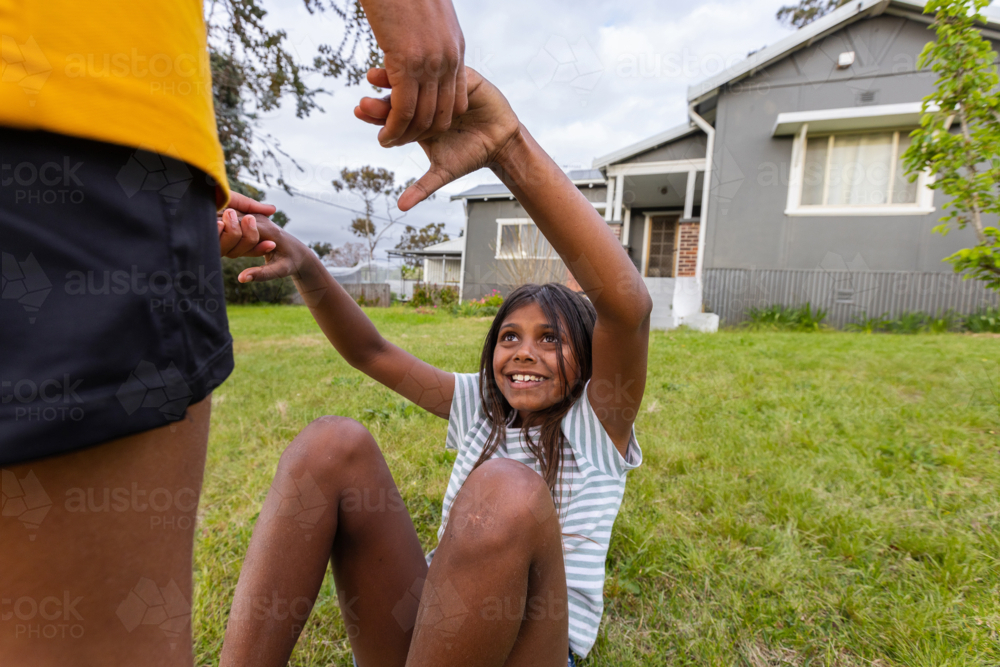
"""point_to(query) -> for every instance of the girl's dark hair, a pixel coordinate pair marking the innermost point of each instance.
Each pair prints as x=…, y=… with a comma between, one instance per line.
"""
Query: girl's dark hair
x=572, y=316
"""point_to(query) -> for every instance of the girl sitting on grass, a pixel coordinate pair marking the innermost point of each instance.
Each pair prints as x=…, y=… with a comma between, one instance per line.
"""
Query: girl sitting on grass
x=543, y=432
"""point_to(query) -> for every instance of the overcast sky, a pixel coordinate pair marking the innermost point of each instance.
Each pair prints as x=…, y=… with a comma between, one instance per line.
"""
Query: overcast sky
x=585, y=77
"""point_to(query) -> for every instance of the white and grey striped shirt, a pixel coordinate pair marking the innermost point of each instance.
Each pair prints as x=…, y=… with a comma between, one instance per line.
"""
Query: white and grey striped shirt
x=590, y=491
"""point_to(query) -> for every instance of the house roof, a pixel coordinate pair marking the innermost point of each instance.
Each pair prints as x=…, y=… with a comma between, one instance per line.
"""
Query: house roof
x=500, y=191
x=673, y=134
x=809, y=34
x=450, y=247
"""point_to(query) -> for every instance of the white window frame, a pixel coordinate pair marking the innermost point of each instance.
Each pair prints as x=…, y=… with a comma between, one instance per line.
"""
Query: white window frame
x=506, y=222
x=794, y=206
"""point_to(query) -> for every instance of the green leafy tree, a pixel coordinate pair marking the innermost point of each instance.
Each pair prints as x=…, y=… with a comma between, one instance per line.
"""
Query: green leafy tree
x=280, y=218
x=372, y=185
x=959, y=136
x=807, y=11
x=321, y=249
x=253, y=70
x=418, y=239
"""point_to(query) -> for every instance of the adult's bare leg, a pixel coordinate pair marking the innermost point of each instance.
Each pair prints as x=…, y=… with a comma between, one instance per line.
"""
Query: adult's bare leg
x=333, y=500
x=496, y=590
x=104, y=576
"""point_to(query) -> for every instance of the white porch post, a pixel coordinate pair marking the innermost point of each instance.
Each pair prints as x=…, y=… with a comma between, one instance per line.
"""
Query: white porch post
x=609, y=207
x=689, y=194
x=619, y=193
x=626, y=225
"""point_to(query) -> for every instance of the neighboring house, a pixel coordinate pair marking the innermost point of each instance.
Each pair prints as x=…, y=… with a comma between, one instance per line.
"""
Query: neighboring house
x=442, y=262
x=502, y=245
x=807, y=200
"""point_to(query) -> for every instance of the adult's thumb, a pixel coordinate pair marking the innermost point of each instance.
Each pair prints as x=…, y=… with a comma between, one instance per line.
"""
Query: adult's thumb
x=429, y=183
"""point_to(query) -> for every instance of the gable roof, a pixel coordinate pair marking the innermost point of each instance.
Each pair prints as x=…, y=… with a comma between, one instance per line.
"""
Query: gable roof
x=673, y=134
x=811, y=33
x=450, y=247
x=500, y=191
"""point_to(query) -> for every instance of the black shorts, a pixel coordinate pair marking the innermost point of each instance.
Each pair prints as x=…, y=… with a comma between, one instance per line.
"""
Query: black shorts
x=112, y=309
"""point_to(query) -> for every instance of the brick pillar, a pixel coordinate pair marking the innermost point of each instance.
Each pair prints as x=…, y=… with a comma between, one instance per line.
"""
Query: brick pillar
x=571, y=282
x=616, y=229
x=687, y=249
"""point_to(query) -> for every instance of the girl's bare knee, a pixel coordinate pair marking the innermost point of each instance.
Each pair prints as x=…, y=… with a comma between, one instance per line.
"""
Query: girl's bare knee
x=328, y=446
x=502, y=503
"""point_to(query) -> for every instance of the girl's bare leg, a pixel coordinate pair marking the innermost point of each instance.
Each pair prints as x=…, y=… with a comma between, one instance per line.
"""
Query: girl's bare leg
x=495, y=594
x=496, y=590
x=333, y=499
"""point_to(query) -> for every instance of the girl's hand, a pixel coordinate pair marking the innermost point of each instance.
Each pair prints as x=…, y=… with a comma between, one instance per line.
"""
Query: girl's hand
x=255, y=236
x=473, y=141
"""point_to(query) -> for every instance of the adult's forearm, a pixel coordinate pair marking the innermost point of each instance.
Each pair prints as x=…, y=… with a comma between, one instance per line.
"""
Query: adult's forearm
x=576, y=231
x=339, y=317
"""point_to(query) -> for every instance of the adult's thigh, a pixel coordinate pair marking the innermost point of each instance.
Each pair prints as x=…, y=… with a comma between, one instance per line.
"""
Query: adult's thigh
x=96, y=548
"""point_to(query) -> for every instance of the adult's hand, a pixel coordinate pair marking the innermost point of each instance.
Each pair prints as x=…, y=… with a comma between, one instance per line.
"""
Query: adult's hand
x=424, y=59
x=243, y=204
x=473, y=142
x=238, y=235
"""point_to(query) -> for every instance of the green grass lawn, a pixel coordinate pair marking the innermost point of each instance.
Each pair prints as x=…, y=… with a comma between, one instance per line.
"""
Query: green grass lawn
x=806, y=499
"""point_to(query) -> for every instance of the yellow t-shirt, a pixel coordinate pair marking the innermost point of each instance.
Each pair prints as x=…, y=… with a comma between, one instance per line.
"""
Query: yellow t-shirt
x=131, y=73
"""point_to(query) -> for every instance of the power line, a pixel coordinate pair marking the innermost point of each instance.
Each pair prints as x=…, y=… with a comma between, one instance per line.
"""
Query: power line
x=298, y=193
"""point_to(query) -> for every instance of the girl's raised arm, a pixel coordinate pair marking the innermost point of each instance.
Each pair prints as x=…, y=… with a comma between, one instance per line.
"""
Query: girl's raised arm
x=585, y=243
x=342, y=320
x=490, y=135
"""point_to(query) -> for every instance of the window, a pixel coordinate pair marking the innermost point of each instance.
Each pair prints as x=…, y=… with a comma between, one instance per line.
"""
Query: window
x=444, y=270
x=519, y=238
x=859, y=173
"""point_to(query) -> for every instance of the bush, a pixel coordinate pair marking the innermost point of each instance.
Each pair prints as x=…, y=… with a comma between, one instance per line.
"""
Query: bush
x=786, y=318
x=425, y=294
x=473, y=309
x=986, y=320
x=869, y=325
x=908, y=323
x=944, y=322
x=494, y=299
x=448, y=296
x=271, y=291
x=488, y=306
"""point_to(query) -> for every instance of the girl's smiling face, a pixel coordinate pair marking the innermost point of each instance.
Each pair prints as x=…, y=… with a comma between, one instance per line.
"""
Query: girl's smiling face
x=526, y=362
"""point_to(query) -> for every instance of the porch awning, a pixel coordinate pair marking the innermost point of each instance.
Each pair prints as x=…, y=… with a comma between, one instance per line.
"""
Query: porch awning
x=849, y=118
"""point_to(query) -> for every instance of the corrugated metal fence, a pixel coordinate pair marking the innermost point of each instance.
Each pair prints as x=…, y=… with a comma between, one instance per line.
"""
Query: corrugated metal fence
x=843, y=294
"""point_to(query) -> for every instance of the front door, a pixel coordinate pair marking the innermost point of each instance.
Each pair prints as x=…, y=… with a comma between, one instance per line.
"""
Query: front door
x=662, y=248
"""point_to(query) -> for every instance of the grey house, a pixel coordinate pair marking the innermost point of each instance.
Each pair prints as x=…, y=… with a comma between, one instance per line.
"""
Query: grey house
x=807, y=200
x=502, y=246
